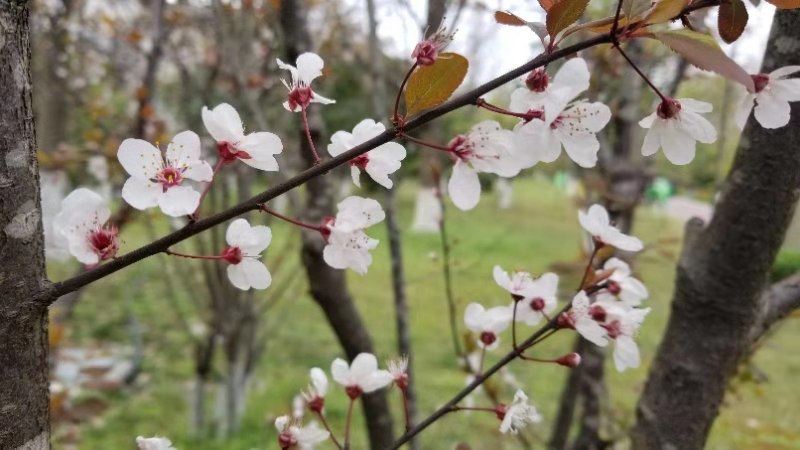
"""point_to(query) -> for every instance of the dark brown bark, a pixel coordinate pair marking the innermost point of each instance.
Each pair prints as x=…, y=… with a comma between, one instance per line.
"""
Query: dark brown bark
x=721, y=273
x=328, y=285
x=24, y=400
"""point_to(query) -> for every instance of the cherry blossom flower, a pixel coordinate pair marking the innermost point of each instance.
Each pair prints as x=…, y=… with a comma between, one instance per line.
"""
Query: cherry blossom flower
x=427, y=210
x=598, y=224
x=427, y=52
x=293, y=436
x=675, y=127
x=360, y=377
x=153, y=443
x=317, y=390
x=156, y=181
x=309, y=68
x=378, y=163
x=771, y=98
x=581, y=319
x=515, y=416
x=257, y=150
x=245, y=244
x=487, y=323
x=537, y=297
x=348, y=245
x=554, y=122
x=622, y=285
x=621, y=323
x=81, y=224
x=486, y=148
x=398, y=368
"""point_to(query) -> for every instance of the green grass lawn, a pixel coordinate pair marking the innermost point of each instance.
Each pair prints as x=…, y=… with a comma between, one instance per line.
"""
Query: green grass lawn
x=540, y=230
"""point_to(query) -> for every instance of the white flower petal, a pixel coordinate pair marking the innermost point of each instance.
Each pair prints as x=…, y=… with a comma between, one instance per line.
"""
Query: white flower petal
x=744, y=109
x=184, y=149
x=309, y=67
x=179, y=201
x=238, y=276
x=140, y=193
x=223, y=123
x=258, y=276
x=238, y=233
x=140, y=158
x=464, y=186
x=198, y=171
x=771, y=111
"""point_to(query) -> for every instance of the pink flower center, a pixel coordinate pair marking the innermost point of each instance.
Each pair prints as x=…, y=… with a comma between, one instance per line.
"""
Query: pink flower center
x=232, y=255
x=760, y=81
x=360, y=162
x=286, y=440
x=556, y=123
x=353, y=391
x=537, y=304
x=537, y=80
x=488, y=338
x=426, y=52
x=327, y=224
x=597, y=313
x=461, y=147
x=300, y=97
x=613, y=329
x=613, y=287
x=169, y=177
x=501, y=411
x=229, y=153
x=105, y=241
x=668, y=108
x=534, y=114
x=316, y=404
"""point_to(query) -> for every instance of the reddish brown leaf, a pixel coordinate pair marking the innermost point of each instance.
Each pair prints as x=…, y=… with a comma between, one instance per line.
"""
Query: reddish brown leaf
x=547, y=4
x=665, y=10
x=785, y=4
x=731, y=20
x=507, y=18
x=563, y=14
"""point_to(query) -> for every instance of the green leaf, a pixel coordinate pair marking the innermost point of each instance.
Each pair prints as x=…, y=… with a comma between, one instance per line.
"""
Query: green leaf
x=665, y=10
x=635, y=8
x=563, y=14
x=702, y=51
x=430, y=86
x=731, y=20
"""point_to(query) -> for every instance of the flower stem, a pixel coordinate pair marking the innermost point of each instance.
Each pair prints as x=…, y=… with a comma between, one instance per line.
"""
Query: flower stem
x=404, y=392
x=207, y=188
x=641, y=74
x=514, y=325
x=425, y=143
x=483, y=358
x=308, y=135
x=481, y=103
x=395, y=115
x=184, y=255
x=328, y=428
x=473, y=408
x=589, y=267
x=347, y=424
x=290, y=220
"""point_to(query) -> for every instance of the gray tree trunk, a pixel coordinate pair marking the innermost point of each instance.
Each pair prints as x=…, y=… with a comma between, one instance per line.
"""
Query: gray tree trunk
x=721, y=273
x=328, y=285
x=24, y=399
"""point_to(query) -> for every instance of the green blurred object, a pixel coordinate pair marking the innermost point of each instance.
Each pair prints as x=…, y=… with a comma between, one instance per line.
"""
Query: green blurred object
x=560, y=179
x=660, y=190
x=786, y=264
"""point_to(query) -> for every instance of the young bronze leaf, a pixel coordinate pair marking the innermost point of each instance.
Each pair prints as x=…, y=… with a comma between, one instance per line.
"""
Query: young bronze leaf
x=635, y=8
x=432, y=85
x=731, y=20
x=547, y=4
x=563, y=14
x=785, y=4
x=665, y=10
x=702, y=51
x=507, y=18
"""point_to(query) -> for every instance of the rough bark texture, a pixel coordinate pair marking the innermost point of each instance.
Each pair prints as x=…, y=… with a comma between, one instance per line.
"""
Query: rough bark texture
x=329, y=286
x=24, y=402
x=721, y=273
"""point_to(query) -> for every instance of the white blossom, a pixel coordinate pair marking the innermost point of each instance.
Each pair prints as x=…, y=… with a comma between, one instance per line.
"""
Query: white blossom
x=580, y=317
x=621, y=284
x=81, y=224
x=153, y=443
x=486, y=148
x=309, y=68
x=398, y=368
x=245, y=244
x=598, y=224
x=675, y=127
x=348, y=246
x=771, y=98
x=379, y=162
x=554, y=122
x=161, y=181
x=535, y=297
x=257, y=150
x=315, y=394
x=518, y=414
x=487, y=323
x=621, y=323
x=291, y=435
x=361, y=376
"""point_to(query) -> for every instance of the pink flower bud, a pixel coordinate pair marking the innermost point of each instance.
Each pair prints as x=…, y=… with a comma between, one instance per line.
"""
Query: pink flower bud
x=571, y=360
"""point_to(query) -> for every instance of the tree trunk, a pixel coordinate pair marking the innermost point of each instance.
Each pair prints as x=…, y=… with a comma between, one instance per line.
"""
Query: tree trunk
x=24, y=400
x=721, y=274
x=328, y=285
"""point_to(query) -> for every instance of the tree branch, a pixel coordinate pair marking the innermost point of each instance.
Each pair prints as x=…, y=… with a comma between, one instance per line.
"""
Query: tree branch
x=776, y=302
x=55, y=290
